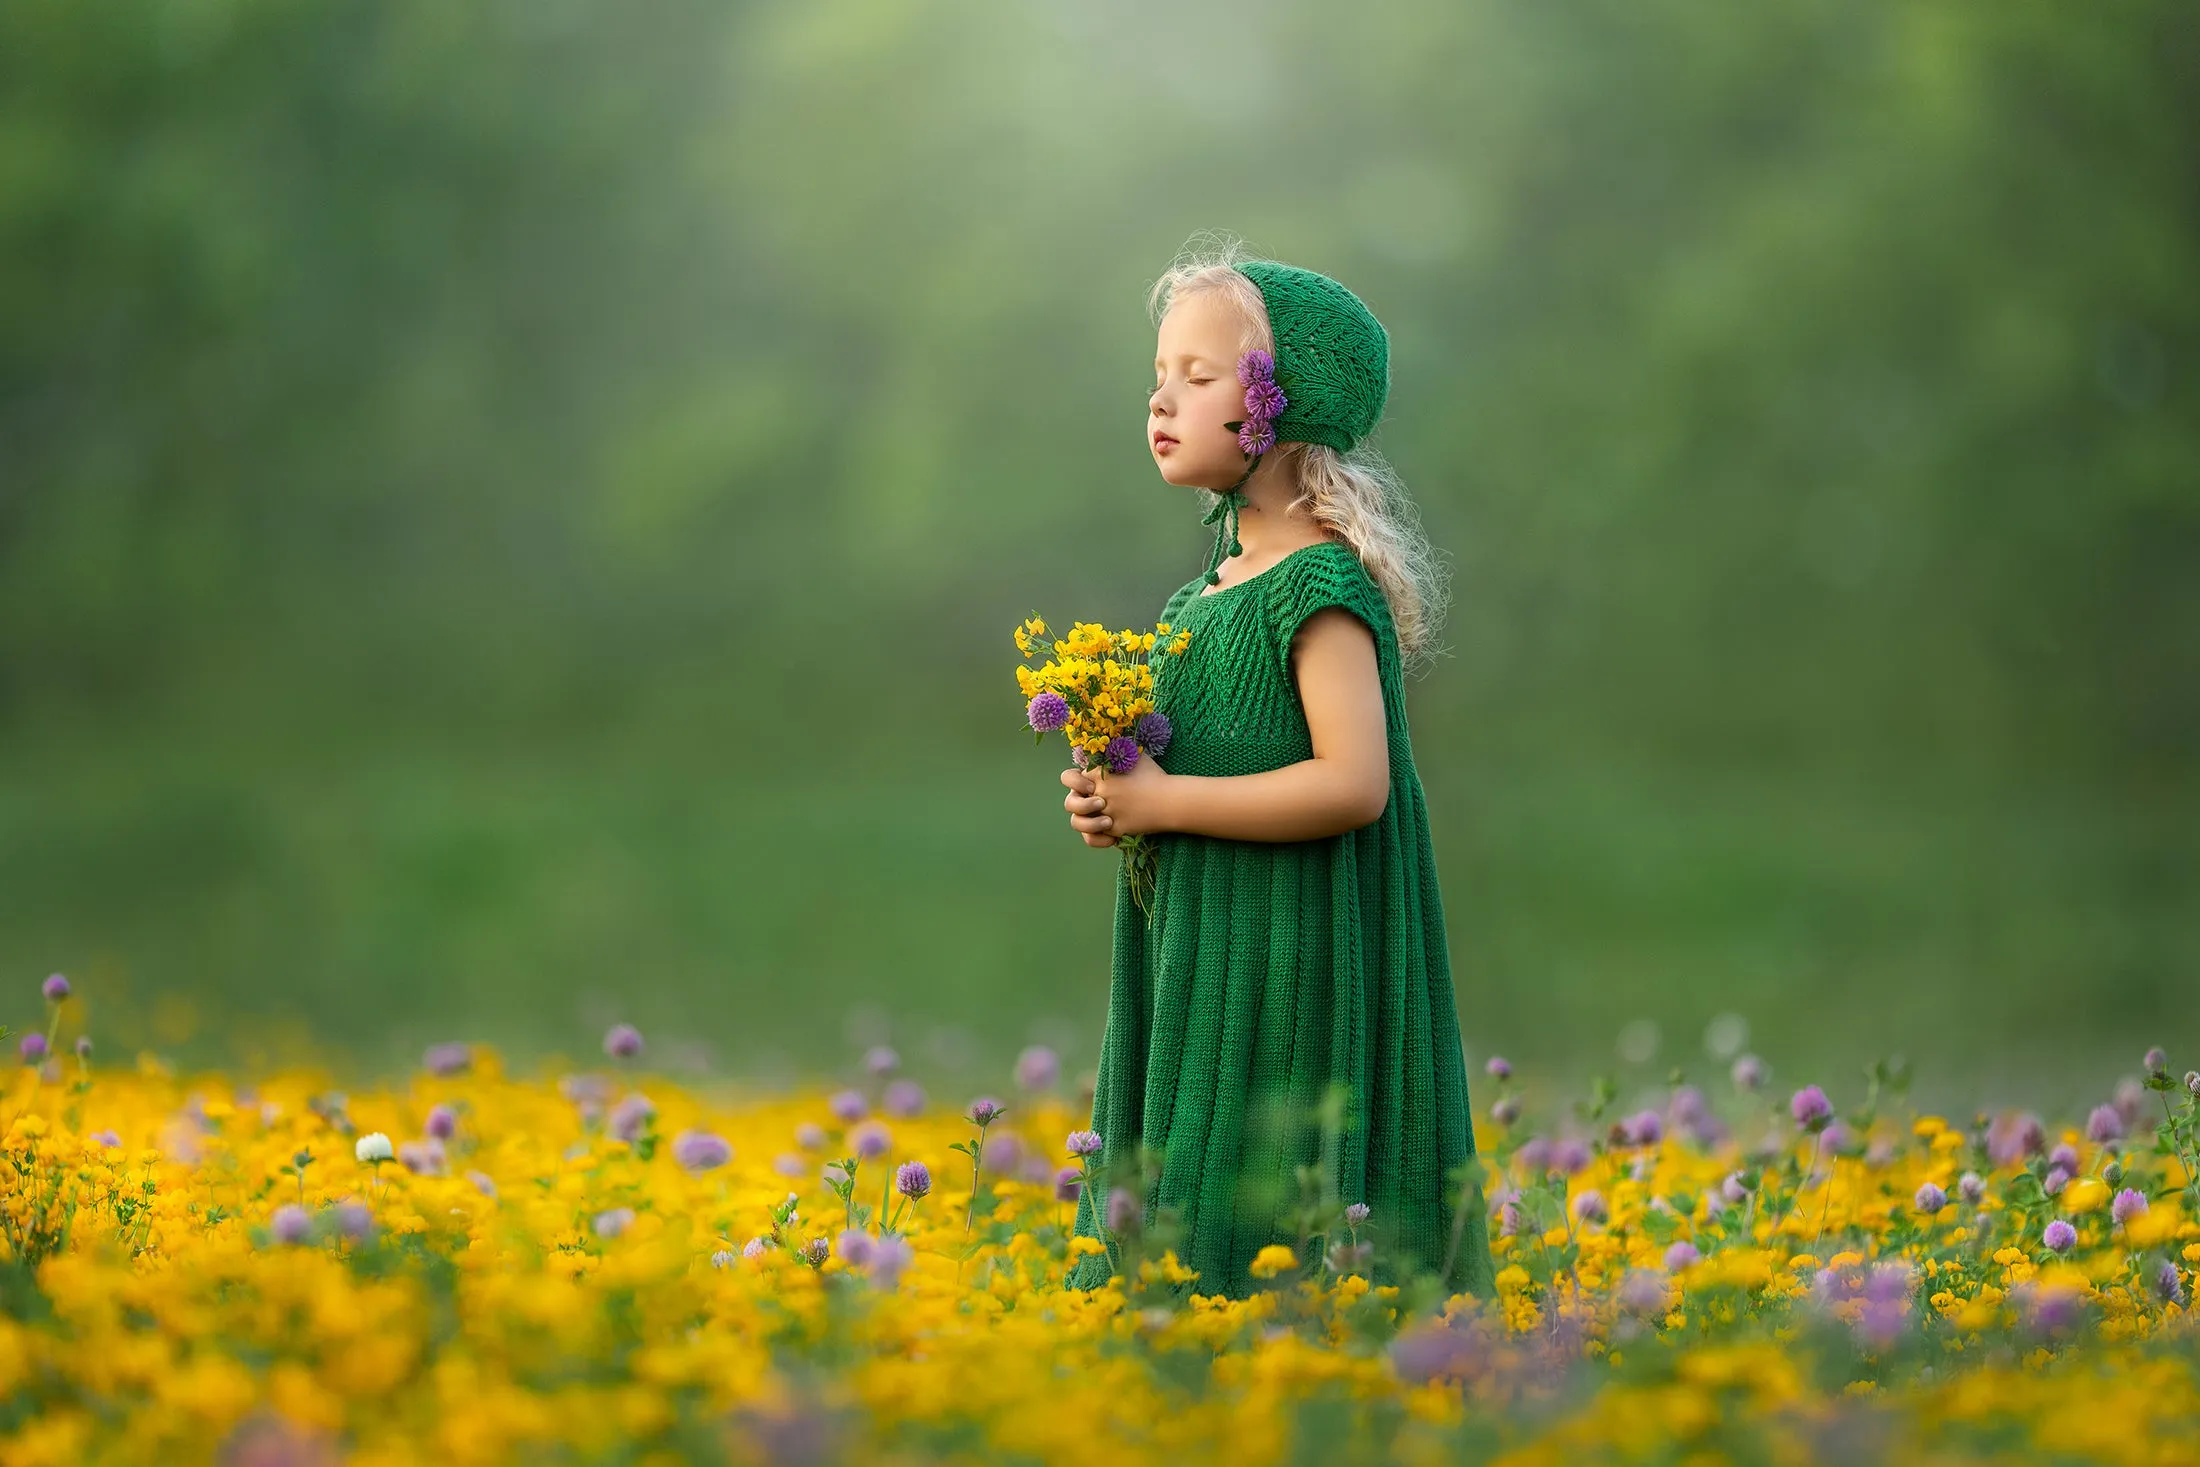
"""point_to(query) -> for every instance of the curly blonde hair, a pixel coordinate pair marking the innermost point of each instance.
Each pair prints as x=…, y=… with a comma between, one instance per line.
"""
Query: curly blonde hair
x=1356, y=496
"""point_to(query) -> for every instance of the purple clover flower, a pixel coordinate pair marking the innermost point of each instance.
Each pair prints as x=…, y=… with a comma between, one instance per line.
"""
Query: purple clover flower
x=913, y=1179
x=2168, y=1287
x=1930, y=1199
x=1356, y=1214
x=83, y=1046
x=848, y=1106
x=790, y=1164
x=1152, y=732
x=1505, y=1109
x=1973, y=1188
x=2129, y=1204
x=1571, y=1155
x=1643, y=1128
x=1122, y=1209
x=33, y=1047
x=442, y=1123
x=880, y=1059
x=1641, y=1292
x=1038, y=1068
x=622, y=1041
x=613, y=1221
x=870, y=1141
x=809, y=1136
x=854, y=1247
x=2059, y=1235
x=485, y=1184
x=56, y=988
x=629, y=1119
x=1499, y=1067
x=2011, y=1138
x=2104, y=1125
x=1068, y=1183
x=701, y=1151
x=1121, y=754
x=903, y=1098
x=816, y=1251
x=290, y=1224
x=1680, y=1255
x=1589, y=1206
x=455, y=1058
x=889, y=1256
x=1749, y=1072
x=985, y=1110
x=352, y=1220
x=1083, y=1143
x=1047, y=711
x=1810, y=1108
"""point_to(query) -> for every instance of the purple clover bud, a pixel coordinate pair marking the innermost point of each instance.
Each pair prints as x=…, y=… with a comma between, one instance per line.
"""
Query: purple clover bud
x=56, y=988
x=352, y=1220
x=2129, y=1203
x=1356, y=1214
x=622, y=1041
x=423, y=1158
x=2055, y=1180
x=83, y=1046
x=1644, y=1128
x=1641, y=1292
x=1152, y=732
x=854, y=1247
x=809, y=1136
x=985, y=1110
x=611, y=1223
x=1589, y=1206
x=1930, y=1199
x=1810, y=1108
x=32, y=1047
x=2052, y=1310
x=755, y=1248
x=2104, y=1125
x=1499, y=1067
x=1121, y=754
x=1973, y=1188
x=2168, y=1287
x=290, y=1224
x=1571, y=1155
x=2157, y=1060
x=2059, y=1235
x=2065, y=1156
x=913, y=1179
x=903, y=1098
x=1505, y=1109
x=816, y=1251
x=870, y=1141
x=1680, y=1255
x=629, y=1119
x=442, y=1123
x=1122, y=1209
x=880, y=1059
x=1534, y=1155
x=889, y=1256
x=1047, y=711
x=1733, y=1189
x=2192, y=1082
x=448, y=1059
x=1433, y=1351
x=701, y=1151
x=1038, y=1068
x=1083, y=1143
x=2011, y=1138
x=1749, y=1072
x=848, y=1106
x=1005, y=1155
x=1068, y=1182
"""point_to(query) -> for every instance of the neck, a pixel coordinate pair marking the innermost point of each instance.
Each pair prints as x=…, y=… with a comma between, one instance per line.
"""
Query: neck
x=1267, y=526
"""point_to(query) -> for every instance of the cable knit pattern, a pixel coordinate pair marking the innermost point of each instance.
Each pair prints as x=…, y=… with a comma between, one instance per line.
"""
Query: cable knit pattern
x=1269, y=970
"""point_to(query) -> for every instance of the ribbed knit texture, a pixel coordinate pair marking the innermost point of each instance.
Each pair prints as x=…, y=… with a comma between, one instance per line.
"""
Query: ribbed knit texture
x=1269, y=969
x=1332, y=355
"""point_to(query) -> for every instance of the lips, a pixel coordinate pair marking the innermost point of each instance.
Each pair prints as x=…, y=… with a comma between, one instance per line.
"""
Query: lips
x=1161, y=438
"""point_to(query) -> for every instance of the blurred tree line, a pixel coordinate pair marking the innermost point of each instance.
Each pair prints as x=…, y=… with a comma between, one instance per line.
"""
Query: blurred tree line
x=507, y=505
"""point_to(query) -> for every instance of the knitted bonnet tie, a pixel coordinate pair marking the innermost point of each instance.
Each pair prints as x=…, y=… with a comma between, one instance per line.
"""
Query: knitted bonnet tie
x=1325, y=383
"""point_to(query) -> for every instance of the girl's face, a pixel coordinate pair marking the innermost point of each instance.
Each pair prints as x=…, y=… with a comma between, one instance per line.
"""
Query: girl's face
x=1196, y=391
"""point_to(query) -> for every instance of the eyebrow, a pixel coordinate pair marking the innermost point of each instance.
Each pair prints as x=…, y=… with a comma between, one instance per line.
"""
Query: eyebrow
x=1189, y=356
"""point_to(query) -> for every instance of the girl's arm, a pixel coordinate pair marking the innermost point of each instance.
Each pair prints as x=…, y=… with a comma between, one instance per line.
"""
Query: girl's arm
x=1344, y=786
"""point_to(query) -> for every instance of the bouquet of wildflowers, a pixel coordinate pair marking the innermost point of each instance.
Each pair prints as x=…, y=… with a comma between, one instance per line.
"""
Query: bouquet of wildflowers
x=1097, y=690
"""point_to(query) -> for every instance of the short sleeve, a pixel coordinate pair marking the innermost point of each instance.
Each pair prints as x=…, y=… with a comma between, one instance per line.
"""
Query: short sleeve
x=1318, y=580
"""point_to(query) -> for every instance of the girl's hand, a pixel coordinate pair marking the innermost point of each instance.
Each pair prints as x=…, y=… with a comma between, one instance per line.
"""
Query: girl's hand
x=1084, y=806
x=1132, y=803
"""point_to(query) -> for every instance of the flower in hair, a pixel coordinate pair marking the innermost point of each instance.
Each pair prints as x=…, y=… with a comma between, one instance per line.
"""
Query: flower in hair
x=1264, y=401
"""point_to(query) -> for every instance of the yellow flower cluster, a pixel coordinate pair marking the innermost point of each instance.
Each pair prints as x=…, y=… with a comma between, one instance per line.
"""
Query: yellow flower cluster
x=534, y=1289
x=1104, y=678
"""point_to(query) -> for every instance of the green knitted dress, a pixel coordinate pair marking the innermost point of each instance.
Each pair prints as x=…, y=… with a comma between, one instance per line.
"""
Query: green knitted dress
x=1269, y=970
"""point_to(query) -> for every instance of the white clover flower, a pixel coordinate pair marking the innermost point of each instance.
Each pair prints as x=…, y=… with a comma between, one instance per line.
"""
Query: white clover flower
x=374, y=1146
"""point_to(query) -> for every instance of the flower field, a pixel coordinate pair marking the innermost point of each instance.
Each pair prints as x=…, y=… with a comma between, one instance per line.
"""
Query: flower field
x=468, y=1266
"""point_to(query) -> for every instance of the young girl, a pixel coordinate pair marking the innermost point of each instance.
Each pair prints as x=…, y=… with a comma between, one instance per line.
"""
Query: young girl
x=1296, y=937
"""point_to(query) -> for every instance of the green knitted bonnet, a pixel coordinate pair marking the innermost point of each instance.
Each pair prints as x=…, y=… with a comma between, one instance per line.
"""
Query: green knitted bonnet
x=1332, y=364
x=1332, y=355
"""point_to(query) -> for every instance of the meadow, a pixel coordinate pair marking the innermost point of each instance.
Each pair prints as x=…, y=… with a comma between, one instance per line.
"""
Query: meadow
x=607, y=1266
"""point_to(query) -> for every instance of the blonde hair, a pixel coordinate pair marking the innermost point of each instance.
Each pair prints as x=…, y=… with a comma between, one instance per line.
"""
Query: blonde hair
x=1356, y=496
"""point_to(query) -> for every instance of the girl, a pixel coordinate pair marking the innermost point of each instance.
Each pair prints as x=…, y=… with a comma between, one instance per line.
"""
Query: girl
x=1296, y=937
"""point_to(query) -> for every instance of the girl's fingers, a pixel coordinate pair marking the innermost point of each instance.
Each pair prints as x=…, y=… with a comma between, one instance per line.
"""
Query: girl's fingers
x=1091, y=824
x=1079, y=805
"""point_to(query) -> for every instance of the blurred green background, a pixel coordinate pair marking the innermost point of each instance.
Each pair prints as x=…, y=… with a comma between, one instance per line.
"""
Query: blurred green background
x=511, y=514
